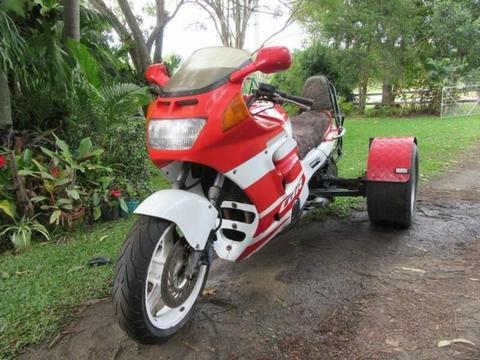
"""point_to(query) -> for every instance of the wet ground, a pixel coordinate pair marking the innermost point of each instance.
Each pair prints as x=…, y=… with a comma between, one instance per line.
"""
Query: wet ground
x=333, y=289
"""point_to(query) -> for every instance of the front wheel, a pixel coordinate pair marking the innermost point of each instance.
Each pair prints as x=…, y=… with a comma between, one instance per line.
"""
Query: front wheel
x=155, y=288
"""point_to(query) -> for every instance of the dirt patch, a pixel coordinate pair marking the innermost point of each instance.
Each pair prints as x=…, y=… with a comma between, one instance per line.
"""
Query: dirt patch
x=335, y=289
x=459, y=182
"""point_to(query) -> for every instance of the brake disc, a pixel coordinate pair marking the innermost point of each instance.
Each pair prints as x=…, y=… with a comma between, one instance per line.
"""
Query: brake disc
x=176, y=285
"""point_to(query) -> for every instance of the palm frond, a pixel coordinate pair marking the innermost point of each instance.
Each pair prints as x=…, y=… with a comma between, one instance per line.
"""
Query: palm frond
x=12, y=45
x=123, y=100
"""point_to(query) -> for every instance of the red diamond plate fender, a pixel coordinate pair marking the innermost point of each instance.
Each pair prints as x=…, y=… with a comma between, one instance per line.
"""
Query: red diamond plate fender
x=389, y=159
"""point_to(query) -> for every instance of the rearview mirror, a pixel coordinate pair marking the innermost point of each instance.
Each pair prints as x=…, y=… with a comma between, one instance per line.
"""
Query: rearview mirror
x=269, y=60
x=273, y=59
x=157, y=74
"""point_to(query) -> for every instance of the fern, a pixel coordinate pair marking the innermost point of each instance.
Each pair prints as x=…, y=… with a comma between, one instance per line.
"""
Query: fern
x=123, y=100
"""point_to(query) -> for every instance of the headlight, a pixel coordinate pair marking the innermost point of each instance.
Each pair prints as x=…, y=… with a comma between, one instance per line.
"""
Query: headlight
x=174, y=134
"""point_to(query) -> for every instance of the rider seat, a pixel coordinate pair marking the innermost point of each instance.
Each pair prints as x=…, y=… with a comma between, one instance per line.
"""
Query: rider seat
x=310, y=127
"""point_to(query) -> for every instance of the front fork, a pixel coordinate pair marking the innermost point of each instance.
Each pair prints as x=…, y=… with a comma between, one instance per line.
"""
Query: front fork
x=205, y=256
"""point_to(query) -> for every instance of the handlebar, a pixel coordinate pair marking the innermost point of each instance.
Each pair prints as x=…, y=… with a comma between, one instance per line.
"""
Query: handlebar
x=273, y=94
x=305, y=101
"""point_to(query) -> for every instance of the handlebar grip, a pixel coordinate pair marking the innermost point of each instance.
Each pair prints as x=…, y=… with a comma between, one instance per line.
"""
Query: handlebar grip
x=301, y=100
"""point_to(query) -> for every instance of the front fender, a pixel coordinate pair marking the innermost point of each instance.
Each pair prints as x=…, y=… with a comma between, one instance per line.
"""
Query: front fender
x=192, y=213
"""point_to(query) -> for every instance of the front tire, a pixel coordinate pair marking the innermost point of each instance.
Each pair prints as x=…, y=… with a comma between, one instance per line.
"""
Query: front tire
x=145, y=261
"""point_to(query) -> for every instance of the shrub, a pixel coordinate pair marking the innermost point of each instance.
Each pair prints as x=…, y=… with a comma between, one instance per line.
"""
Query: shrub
x=125, y=147
x=383, y=111
x=346, y=107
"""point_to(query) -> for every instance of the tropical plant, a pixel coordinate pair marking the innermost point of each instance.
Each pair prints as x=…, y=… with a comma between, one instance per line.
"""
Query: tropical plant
x=8, y=208
x=173, y=62
x=99, y=197
x=97, y=104
x=11, y=49
x=7, y=203
x=20, y=232
x=64, y=85
x=64, y=179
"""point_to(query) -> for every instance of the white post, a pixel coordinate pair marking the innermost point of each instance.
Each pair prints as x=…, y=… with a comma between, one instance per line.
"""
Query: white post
x=441, y=103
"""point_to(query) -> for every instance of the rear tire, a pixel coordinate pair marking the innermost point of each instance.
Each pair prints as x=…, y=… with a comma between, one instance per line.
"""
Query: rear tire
x=141, y=255
x=393, y=204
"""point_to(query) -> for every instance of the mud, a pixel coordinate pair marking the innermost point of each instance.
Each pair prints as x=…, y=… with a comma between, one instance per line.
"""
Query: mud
x=333, y=289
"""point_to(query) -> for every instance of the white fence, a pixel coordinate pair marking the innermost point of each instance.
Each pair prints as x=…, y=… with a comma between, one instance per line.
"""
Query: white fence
x=460, y=100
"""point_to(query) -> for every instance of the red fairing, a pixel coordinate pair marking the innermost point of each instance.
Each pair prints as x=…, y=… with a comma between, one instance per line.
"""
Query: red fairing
x=290, y=166
x=219, y=150
x=389, y=159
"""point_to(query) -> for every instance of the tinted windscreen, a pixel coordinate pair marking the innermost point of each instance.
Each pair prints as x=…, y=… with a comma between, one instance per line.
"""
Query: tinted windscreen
x=205, y=67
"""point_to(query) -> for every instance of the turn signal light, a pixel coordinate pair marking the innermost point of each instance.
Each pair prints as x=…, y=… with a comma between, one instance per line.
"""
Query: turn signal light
x=235, y=113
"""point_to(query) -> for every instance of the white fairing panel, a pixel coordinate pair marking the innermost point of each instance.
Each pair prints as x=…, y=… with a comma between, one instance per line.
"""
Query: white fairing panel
x=192, y=213
x=317, y=157
x=229, y=249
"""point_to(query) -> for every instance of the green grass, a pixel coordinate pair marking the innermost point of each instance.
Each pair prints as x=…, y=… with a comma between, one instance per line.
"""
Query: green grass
x=40, y=288
x=439, y=140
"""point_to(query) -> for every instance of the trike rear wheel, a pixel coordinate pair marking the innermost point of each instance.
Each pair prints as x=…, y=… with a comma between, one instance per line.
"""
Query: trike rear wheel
x=393, y=203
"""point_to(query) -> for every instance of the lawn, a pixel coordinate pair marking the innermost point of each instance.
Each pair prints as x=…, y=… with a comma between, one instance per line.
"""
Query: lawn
x=439, y=140
x=41, y=288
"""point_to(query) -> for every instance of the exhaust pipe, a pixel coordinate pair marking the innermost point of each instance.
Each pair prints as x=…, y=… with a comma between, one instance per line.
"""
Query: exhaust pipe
x=318, y=202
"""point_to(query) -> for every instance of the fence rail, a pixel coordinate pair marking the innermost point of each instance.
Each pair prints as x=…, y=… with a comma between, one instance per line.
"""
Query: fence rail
x=410, y=97
x=464, y=100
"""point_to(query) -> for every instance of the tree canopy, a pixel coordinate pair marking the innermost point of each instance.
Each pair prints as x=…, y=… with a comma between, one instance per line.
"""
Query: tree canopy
x=399, y=44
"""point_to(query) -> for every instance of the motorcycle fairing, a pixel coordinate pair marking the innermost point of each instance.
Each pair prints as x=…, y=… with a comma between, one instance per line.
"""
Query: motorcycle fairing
x=245, y=155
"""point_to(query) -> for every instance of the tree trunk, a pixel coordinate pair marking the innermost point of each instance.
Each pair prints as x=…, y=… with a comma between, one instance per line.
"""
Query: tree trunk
x=5, y=104
x=144, y=57
x=122, y=31
x=157, y=55
x=362, y=93
x=387, y=93
x=71, y=19
x=160, y=10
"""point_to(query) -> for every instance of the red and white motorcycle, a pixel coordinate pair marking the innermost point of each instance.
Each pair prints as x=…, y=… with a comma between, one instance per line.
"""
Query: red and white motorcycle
x=241, y=172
